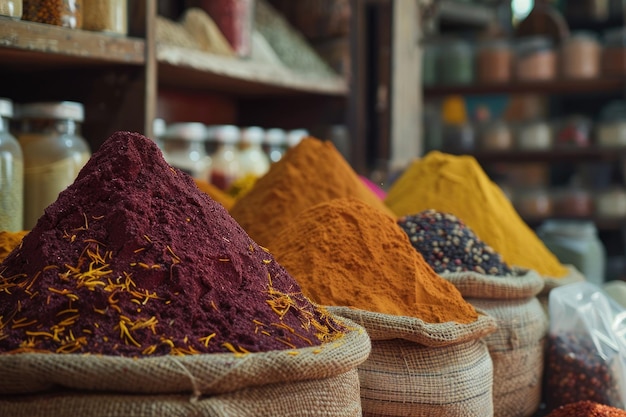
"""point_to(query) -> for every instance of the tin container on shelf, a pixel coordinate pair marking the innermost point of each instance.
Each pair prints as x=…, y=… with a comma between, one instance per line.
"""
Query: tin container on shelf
x=54, y=152
x=66, y=13
x=535, y=59
x=109, y=16
x=581, y=56
x=11, y=8
x=534, y=135
x=614, y=52
x=494, y=61
x=183, y=145
x=495, y=135
x=456, y=62
x=533, y=203
x=11, y=173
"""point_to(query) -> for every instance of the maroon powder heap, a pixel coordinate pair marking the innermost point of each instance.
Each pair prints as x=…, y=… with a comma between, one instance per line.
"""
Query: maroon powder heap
x=132, y=259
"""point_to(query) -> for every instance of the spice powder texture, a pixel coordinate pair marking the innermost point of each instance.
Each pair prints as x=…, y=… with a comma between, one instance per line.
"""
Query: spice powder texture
x=587, y=409
x=132, y=259
x=346, y=253
x=310, y=173
x=458, y=185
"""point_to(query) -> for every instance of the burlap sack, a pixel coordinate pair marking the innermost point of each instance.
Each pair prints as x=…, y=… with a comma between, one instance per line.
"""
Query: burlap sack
x=314, y=381
x=517, y=347
x=423, y=369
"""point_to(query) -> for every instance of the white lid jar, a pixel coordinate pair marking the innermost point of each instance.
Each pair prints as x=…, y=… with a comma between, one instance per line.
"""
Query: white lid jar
x=183, y=145
x=225, y=168
x=253, y=160
x=54, y=152
x=275, y=144
x=11, y=173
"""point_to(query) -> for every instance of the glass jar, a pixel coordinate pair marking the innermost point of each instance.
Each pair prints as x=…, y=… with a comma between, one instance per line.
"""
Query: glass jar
x=610, y=130
x=225, y=168
x=494, y=60
x=576, y=243
x=253, y=160
x=184, y=149
x=275, y=143
x=533, y=203
x=11, y=174
x=456, y=62
x=574, y=131
x=458, y=138
x=66, y=13
x=611, y=202
x=295, y=136
x=534, y=135
x=535, y=59
x=106, y=16
x=580, y=56
x=614, y=53
x=54, y=152
x=574, y=202
x=429, y=64
x=495, y=135
x=11, y=8
x=159, y=127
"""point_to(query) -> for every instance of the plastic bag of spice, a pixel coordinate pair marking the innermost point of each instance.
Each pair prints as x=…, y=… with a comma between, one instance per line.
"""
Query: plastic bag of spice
x=424, y=369
x=586, y=349
x=517, y=346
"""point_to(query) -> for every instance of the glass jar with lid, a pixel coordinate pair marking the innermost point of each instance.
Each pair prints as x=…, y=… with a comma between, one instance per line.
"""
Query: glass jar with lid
x=456, y=62
x=534, y=135
x=495, y=135
x=253, y=160
x=574, y=202
x=275, y=143
x=535, y=59
x=183, y=145
x=295, y=136
x=576, y=242
x=533, y=203
x=105, y=16
x=494, y=61
x=11, y=173
x=54, y=152
x=11, y=8
x=66, y=13
x=580, y=55
x=610, y=202
x=614, y=52
x=610, y=129
x=225, y=168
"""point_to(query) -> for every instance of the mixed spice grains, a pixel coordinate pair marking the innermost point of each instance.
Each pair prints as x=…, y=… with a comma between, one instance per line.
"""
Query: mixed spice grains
x=133, y=260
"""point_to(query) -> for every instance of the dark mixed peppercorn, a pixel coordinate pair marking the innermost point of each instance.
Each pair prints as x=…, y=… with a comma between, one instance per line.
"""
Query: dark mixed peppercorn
x=67, y=13
x=575, y=371
x=449, y=245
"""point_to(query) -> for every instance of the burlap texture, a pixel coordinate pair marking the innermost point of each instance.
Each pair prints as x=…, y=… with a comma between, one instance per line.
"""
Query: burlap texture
x=573, y=275
x=516, y=348
x=424, y=369
x=209, y=374
x=337, y=395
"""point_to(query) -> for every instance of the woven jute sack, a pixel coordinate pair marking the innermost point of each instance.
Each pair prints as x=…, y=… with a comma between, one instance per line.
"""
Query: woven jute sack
x=517, y=347
x=313, y=381
x=424, y=369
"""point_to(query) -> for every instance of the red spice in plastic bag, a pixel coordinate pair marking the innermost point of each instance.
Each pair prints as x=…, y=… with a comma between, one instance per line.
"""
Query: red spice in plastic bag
x=133, y=259
x=587, y=409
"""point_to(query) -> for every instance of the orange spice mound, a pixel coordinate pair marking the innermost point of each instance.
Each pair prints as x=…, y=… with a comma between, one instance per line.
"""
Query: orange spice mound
x=346, y=253
x=215, y=193
x=310, y=173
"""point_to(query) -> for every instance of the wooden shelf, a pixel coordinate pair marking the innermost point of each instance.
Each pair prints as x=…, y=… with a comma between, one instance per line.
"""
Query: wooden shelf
x=591, y=154
x=48, y=46
x=560, y=86
x=180, y=67
x=464, y=13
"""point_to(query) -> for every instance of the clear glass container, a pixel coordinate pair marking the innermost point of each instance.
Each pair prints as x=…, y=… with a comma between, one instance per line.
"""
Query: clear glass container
x=225, y=168
x=580, y=56
x=66, y=13
x=534, y=135
x=574, y=202
x=536, y=59
x=576, y=243
x=11, y=174
x=110, y=16
x=184, y=149
x=574, y=131
x=494, y=61
x=611, y=202
x=275, y=144
x=495, y=135
x=295, y=136
x=11, y=8
x=614, y=52
x=610, y=129
x=253, y=160
x=533, y=203
x=54, y=152
x=456, y=62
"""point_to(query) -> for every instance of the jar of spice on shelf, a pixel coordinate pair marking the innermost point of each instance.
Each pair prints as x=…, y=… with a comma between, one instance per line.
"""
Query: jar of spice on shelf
x=494, y=60
x=533, y=203
x=109, y=16
x=614, y=52
x=253, y=160
x=11, y=173
x=610, y=202
x=275, y=143
x=535, y=59
x=495, y=135
x=534, y=135
x=66, y=13
x=574, y=131
x=580, y=56
x=11, y=8
x=610, y=129
x=225, y=167
x=183, y=145
x=573, y=202
x=456, y=62
x=54, y=152
x=235, y=18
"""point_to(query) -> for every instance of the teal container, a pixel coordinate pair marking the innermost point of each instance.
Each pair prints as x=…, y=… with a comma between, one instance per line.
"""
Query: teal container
x=456, y=62
x=576, y=243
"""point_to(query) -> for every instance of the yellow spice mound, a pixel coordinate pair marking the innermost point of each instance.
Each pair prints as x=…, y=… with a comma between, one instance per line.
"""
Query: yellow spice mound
x=458, y=185
x=9, y=241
